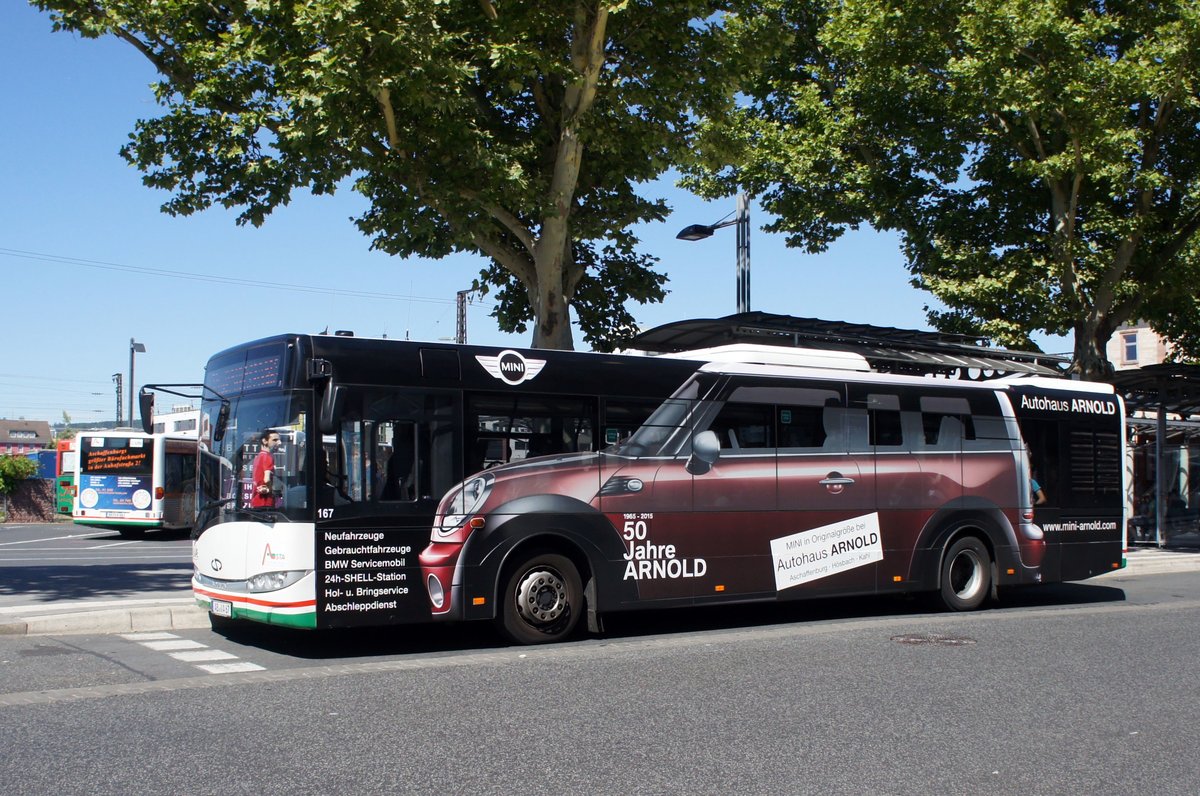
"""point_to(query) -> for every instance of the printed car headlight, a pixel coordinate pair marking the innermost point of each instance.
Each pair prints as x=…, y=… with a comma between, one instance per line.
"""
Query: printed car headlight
x=621, y=485
x=464, y=502
x=274, y=581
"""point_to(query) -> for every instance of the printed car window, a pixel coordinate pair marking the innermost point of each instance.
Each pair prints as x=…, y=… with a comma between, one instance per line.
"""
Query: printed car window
x=886, y=422
x=666, y=431
x=806, y=418
x=745, y=428
x=945, y=420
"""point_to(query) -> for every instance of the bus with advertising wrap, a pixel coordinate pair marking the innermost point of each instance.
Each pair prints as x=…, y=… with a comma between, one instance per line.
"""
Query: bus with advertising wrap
x=362, y=438
x=133, y=482
x=421, y=482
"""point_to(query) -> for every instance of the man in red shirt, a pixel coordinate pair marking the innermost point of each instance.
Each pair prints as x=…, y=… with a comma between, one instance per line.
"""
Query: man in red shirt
x=264, y=472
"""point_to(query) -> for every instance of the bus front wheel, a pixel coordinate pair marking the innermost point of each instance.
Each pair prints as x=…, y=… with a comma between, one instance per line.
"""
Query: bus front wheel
x=542, y=600
x=966, y=577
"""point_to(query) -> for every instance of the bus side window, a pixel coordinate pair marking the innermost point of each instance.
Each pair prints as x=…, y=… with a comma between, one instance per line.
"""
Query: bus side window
x=395, y=454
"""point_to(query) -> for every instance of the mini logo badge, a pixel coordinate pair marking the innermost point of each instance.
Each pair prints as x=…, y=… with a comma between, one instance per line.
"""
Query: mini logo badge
x=511, y=367
x=216, y=565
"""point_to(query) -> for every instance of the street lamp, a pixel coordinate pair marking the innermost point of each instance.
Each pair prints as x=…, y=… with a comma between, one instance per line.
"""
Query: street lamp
x=134, y=348
x=742, y=221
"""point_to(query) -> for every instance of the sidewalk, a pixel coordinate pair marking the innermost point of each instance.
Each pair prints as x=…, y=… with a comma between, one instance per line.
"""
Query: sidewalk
x=180, y=612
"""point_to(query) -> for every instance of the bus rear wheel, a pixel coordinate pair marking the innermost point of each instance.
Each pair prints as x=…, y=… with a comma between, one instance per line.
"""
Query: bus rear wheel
x=542, y=600
x=966, y=577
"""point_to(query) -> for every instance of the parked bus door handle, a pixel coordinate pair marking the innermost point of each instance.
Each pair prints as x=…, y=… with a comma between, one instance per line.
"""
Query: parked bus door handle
x=835, y=482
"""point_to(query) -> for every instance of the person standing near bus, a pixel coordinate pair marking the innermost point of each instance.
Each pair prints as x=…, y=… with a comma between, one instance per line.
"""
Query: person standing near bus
x=1039, y=495
x=264, y=472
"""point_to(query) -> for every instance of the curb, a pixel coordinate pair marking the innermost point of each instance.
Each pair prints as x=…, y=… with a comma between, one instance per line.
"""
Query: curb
x=119, y=620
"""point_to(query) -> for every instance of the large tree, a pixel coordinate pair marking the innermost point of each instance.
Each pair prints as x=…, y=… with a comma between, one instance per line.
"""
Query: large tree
x=516, y=129
x=1040, y=157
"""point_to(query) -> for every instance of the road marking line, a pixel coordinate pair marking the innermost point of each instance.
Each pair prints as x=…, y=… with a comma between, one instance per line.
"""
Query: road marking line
x=231, y=668
x=148, y=636
x=83, y=605
x=46, y=558
x=57, y=538
x=194, y=656
x=177, y=644
x=106, y=546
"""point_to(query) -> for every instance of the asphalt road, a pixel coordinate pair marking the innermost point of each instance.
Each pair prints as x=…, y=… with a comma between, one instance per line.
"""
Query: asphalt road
x=63, y=561
x=1076, y=688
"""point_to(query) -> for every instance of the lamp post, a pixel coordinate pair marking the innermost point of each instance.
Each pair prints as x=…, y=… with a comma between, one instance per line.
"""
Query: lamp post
x=742, y=221
x=134, y=348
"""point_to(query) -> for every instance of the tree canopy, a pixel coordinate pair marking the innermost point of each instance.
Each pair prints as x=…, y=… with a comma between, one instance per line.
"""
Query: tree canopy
x=516, y=130
x=1039, y=157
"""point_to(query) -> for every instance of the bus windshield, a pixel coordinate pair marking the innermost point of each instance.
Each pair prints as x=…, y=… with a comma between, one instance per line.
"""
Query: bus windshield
x=227, y=466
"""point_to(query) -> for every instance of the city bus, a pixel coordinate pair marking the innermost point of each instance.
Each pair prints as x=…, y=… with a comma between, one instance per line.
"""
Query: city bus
x=132, y=482
x=423, y=482
x=372, y=433
x=64, y=478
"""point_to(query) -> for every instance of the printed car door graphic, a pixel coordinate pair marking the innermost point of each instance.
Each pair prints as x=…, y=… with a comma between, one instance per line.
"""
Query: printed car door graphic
x=827, y=537
x=729, y=529
x=662, y=558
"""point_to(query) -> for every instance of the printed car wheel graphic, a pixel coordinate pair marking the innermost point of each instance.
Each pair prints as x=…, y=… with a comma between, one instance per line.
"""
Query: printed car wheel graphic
x=966, y=575
x=542, y=600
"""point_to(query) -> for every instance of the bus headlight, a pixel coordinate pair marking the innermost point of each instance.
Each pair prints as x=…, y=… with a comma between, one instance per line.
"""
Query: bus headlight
x=464, y=501
x=274, y=581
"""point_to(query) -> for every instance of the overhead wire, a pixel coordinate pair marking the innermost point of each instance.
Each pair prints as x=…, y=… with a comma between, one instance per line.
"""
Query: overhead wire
x=216, y=279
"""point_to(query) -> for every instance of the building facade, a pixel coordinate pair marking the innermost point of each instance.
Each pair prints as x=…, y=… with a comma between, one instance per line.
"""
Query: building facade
x=18, y=437
x=1136, y=345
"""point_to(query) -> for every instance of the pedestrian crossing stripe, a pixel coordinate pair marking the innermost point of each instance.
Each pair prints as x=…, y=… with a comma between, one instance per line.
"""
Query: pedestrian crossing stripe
x=194, y=652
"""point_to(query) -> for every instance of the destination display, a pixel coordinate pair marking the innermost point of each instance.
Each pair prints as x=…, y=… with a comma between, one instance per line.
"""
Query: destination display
x=365, y=577
x=261, y=370
x=116, y=456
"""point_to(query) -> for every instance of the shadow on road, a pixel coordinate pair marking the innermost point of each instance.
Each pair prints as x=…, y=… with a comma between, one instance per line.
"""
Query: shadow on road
x=44, y=584
x=364, y=643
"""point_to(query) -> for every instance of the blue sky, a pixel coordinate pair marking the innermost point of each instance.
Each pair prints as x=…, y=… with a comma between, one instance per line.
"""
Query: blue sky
x=86, y=254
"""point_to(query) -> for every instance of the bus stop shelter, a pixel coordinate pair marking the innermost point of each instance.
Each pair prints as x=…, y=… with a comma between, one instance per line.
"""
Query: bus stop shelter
x=1163, y=407
x=887, y=349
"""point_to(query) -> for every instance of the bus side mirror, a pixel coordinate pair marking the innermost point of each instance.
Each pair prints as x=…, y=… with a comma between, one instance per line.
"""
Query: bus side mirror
x=705, y=450
x=222, y=422
x=146, y=407
x=331, y=408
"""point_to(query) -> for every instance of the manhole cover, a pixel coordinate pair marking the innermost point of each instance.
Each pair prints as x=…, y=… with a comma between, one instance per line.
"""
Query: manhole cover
x=934, y=638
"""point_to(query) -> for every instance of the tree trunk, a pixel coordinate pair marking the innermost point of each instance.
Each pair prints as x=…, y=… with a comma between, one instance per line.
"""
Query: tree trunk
x=553, y=327
x=1091, y=358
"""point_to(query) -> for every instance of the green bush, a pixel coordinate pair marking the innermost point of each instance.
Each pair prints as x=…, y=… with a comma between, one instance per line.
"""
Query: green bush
x=14, y=470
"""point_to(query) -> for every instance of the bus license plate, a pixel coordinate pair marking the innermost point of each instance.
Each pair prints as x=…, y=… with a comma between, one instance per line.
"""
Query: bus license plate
x=222, y=608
